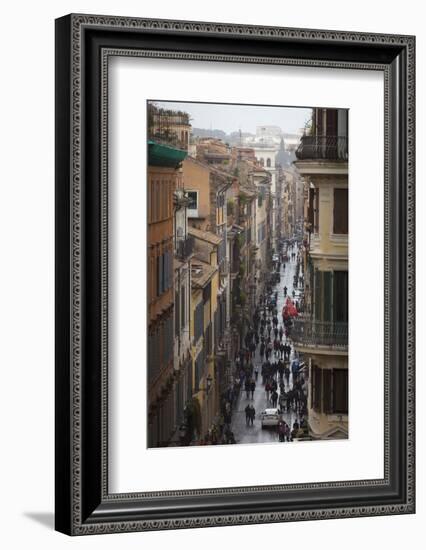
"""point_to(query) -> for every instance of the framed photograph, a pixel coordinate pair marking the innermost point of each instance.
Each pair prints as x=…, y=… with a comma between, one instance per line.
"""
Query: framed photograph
x=234, y=274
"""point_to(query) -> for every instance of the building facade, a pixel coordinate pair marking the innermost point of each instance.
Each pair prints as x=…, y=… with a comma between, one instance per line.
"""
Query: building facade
x=163, y=172
x=321, y=334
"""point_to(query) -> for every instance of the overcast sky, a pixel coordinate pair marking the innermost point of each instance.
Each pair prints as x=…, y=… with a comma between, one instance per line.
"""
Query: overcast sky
x=231, y=118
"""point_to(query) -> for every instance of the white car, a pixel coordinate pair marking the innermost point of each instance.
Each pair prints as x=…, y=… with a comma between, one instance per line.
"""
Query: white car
x=270, y=417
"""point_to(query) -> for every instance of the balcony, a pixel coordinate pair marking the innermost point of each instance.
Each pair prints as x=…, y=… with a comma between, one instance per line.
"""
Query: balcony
x=307, y=332
x=323, y=148
x=184, y=248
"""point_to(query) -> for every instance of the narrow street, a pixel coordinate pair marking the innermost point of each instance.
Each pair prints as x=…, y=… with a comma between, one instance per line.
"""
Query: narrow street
x=255, y=433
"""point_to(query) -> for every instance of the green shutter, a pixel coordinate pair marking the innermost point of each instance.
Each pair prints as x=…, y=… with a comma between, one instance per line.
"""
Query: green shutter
x=328, y=300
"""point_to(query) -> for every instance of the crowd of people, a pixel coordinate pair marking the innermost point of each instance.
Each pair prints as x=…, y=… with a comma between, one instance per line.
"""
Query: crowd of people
x=268, y=338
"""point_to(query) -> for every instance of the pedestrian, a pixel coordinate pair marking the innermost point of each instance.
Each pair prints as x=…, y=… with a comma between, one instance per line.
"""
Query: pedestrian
x=252, y=414
x=281, y=431
x=274, y=398
x=256, y=372
x=280, y=368
x=276, y=347
x=247, y=387
x=281, y=332
x=287, y=373
x=267, y=390
x=252, y=387
x=247, y=411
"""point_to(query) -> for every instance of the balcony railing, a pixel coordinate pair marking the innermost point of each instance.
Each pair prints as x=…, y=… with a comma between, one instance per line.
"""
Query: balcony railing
x=311, y=333
x=184, y=248
x=322, y=148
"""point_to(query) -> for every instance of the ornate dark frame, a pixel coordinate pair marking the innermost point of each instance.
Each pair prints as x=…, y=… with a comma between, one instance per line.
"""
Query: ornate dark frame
x=83, y=46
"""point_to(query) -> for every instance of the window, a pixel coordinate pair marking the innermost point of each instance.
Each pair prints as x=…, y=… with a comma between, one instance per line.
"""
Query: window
x=193, y=203
x=164, y=272
x=183, y=307
x=323, y=295
x=177, y=315
x=340, y=212
x=327, y=391
x=311, y=208
x=268, y=163
x=316, y=210
x=198, y=321
x=316, y=388
x=340, y=292
x=340, y=391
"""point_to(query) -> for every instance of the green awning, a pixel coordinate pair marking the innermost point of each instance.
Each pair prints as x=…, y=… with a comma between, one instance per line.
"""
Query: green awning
x=164, y=155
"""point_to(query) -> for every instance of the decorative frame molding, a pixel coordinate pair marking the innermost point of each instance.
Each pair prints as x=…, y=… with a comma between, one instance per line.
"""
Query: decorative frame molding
x=84, y=43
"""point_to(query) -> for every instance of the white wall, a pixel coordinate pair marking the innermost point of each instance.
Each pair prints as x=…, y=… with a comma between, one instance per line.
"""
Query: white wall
x=26, y=305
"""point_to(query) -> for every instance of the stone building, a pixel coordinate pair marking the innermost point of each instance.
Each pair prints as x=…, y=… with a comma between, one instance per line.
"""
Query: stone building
x=322, y=333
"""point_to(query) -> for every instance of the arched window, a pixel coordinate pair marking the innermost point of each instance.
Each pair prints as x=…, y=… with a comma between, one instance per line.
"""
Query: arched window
x=262, y=162
x=268, y=163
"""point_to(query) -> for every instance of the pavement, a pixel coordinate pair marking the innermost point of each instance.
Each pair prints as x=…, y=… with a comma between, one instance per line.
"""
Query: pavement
x=257, y=434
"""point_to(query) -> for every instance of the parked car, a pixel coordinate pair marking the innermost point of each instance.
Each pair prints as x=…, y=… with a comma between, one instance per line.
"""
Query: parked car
x=270, y=417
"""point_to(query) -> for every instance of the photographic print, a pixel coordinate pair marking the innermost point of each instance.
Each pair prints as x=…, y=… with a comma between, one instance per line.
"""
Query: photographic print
x=247, y=266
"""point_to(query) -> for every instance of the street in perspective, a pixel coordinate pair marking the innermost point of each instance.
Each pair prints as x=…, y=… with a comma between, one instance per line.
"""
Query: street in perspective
x=247, y=269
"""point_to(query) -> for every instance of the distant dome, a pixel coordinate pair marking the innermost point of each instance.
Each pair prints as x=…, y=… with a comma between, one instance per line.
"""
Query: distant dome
x=284, y=158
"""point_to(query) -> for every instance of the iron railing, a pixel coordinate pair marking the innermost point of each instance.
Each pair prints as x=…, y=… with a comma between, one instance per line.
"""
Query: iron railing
x=323, y=148
x=312, y=333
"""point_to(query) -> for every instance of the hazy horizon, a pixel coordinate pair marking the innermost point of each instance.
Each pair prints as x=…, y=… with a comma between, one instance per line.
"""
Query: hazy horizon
x=234, y=117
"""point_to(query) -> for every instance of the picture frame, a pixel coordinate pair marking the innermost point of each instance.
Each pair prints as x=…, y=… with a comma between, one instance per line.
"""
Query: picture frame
x=84, y=504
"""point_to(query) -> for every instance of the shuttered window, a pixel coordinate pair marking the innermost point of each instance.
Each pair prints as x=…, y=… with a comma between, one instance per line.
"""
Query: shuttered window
x=340, y=212
x=340, y=391
x=198, y=321
x=183, y=307
x=316, y=210
x=327, y=391
x=340, y=291
x=323, y=295
x=316, y=389
x=318, y=295
x=331, y=129
x=311, y=207
x=327, y=302
x=177, y=314
x=199, y=368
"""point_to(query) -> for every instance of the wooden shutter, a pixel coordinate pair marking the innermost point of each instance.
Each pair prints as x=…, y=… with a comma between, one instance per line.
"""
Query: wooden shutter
x=340, y=391
x=340, y=212
x=327, y=391
x=340, y=296
x=327, y=295
x=318, y=295
x=316, y=211
x=311, y=216
x=158, y=277
x=177, y=314
x=316, y=389
x=331, y=115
